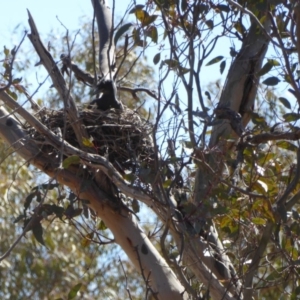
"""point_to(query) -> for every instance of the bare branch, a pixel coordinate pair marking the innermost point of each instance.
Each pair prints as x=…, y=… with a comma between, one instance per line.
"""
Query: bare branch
x=58, y=82
x=276, y=136
x=255, y=260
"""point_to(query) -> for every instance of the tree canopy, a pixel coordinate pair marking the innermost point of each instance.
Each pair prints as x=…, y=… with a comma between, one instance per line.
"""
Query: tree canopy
x=195, y=176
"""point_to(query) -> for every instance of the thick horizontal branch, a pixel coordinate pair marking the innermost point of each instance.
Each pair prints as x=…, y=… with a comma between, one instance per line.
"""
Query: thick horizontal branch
x=276, y=136
x=120, y=221
x=204, y=266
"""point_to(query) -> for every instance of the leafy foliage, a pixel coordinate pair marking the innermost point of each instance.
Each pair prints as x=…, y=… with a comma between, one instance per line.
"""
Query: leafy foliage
x=229, y=165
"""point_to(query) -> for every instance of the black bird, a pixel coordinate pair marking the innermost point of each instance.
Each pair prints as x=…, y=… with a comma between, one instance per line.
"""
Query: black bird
x=108, y=98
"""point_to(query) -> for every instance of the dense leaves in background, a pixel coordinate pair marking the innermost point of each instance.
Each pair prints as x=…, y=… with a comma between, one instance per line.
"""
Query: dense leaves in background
x=227, y=153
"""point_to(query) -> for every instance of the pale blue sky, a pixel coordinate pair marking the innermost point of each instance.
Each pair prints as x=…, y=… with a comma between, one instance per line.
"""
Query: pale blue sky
x=13, y=13
x=45, y=14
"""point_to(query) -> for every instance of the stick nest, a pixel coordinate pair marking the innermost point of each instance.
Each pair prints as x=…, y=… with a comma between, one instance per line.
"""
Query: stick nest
x=121, y=136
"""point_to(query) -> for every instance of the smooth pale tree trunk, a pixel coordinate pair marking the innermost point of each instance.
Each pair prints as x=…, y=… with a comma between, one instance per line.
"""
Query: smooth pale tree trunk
x=122, y=223
x=239, y=95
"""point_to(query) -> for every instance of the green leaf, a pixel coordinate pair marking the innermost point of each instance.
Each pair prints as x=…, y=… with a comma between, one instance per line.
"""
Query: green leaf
x=268, y=66
x=184, y=70
x=19, y=218
x=71, y=160
x=263, y=185
x=47, y=186
x=203, y=8
x=87, y=239
x=287, y=78
x=172, y=63
x=271, y=81
x=102, y=225
x=208, y=95
x=287, y=145
x=136, y=35
x=273, y=62
x=12, y=94
x=210, y=24
x=265, y=69
x=258, y=221
x=152, y=33
x=222, y=66
x=156, y=58
x=239, y=27
x=58, y=211
x=6, y=51
x=17, y=80
x=137, y=7
x=184, y=5
x=290, y=117
x=129, y=177
x=296, y=292
x=188, y=144
x=29, y=199
x=285, y=102
x=223, y=7
x=73, y=293
x=141, y=14
x=295, y=214
x=88, y=142
x=147, y=20
x=215, y=60
x=257, y=119
x=38, y=197
x=37, y=231
x=135, y=206
x=167, y=183
x=144, y=17
x=140, y=43
x=121, y=31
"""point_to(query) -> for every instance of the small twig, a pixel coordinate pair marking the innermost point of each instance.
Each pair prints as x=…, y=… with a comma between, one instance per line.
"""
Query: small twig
x=289, y=205
x=175, y=265
x=293, y=183
x=281, y=208
x=286, y=58
x=135, y=90
x=14, y=52
x=256, y=20
x=28, y=225
x=126, y=279
x=58, y=81
x=125, y=50
x=80, y=75
x=256, y=257
x=265, y=137
x=253, y=195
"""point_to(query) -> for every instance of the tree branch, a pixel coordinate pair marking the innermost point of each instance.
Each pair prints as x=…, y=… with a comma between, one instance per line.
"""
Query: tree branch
x=123, y=225
x=58, y=82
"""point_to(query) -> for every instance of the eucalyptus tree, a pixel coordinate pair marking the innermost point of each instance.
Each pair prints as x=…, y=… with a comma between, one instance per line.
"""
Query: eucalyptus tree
x=220, y=175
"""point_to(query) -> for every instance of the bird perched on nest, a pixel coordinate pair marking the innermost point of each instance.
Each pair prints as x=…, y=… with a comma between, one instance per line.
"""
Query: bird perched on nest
x=108, y=98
